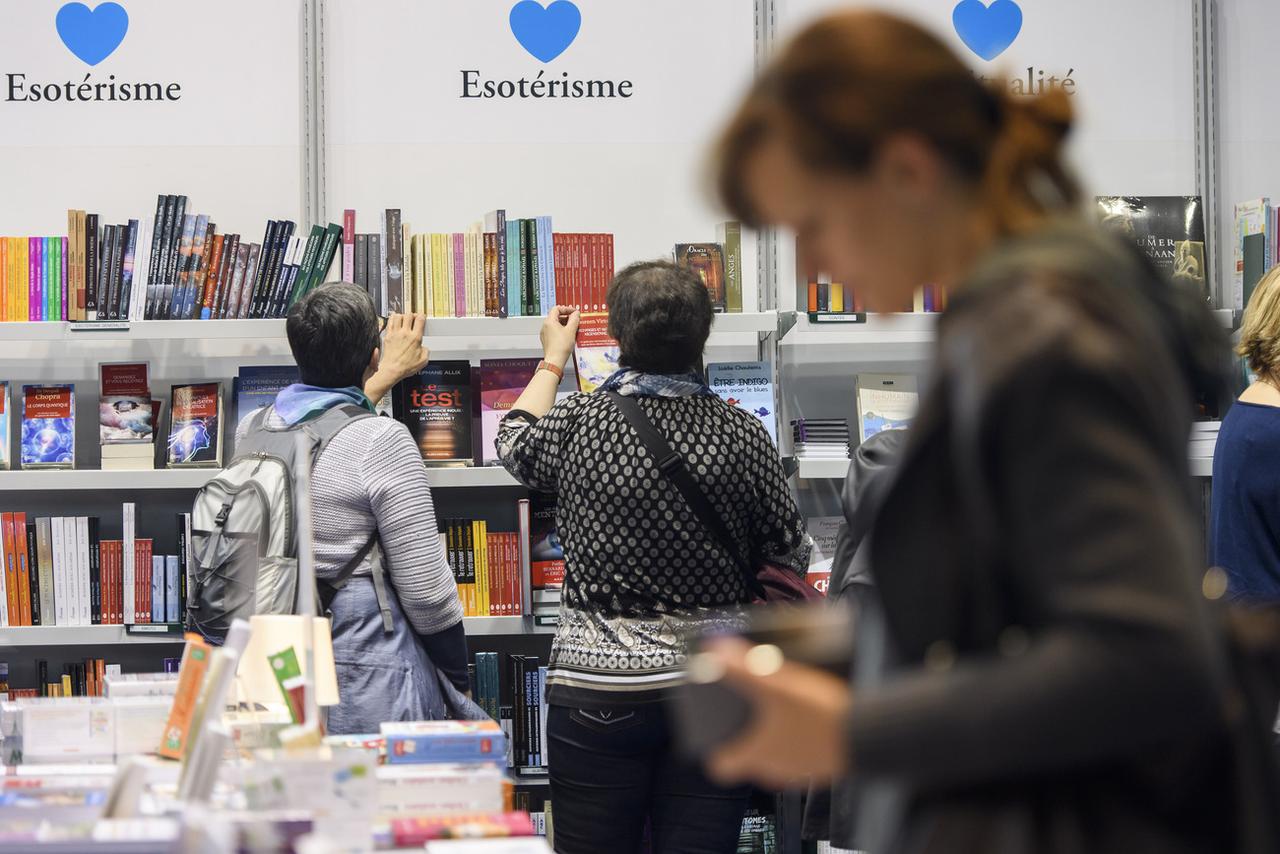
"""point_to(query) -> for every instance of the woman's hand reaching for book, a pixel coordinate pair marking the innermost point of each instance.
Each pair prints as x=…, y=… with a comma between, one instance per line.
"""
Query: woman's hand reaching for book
x=799, y=721
x=558, y=333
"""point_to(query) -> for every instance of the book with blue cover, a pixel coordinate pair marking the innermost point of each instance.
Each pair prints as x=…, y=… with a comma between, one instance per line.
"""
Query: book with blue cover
x=48, y=426
x=749, y=387
x=4, y=425
x=258, y=385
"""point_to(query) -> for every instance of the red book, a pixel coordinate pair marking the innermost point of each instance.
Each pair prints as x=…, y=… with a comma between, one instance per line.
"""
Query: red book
x=416, y=832
x=348, y=245
x=609, y=269
x=515, y=574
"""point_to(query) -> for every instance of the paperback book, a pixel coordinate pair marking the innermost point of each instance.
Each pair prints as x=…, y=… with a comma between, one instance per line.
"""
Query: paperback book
x=48, y=426
x=501, y=382
x=4, y=425
x=885, y=402
x=707, y=260
x=256, y=386
x=1169, y=229
x=124, y=409
x=195, y=425
x=546, y=552
x=749, y=387
x=595, y=353
x=436, y=405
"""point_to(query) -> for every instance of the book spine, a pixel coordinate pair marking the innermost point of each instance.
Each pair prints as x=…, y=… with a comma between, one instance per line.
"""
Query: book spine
x=154, y=255
x=252, y=261
x=128, y=567
x=127, y=261
x=64, y=260
x=395, y=262
x=328, y=251
x=348, y=245
x=526, y=304
x=459, y=275
x=119, y=236
x=33, y=278
x=84, y=579
x=546, y=267
x=259, y=285
x=279, y=291
x=275, y=262
x=173, y=257
x=226, y=276
x=209, y=287
x=361, y=261
x=310, y=259
x=68, y=249
x=95, y=570
x=500, y=239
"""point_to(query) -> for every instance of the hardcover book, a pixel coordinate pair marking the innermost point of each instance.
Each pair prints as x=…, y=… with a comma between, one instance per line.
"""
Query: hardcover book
x=595, y=353
x=1169, y=229
x=707, y=260
x=501, y=383
x=48, y=426
x=195, y=424
x=749, y=387
x=885, y=402
x=124, y=408
x=436, y=406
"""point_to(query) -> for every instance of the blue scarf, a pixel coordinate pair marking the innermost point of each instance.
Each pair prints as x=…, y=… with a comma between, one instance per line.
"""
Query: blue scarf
x=299, y=402
x=629, y=383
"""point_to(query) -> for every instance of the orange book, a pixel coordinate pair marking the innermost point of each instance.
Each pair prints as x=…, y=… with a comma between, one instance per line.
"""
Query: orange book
x=191, y=673
x=10, y=572
x=813, y=296
x=4, y=278
x=25, y=565
x=100, y=671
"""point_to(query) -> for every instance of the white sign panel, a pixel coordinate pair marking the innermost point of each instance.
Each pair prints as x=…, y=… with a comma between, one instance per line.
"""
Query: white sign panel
x=597, y=113
x=104, y=105
x=1128, y=67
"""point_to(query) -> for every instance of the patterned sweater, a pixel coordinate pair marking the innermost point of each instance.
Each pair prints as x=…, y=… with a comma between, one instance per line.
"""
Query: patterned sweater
x=641, y=569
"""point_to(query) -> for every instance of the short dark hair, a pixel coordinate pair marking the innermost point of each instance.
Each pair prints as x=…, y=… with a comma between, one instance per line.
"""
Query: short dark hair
x=333, y=332
x=660, y=315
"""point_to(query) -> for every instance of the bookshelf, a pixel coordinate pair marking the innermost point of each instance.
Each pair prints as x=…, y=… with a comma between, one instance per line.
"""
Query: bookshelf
x=29, y=636
x=1201, y=467
x=93, y=480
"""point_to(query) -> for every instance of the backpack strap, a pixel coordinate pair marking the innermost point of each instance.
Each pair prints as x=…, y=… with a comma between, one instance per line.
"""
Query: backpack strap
x=672, y=466
x=322, y=430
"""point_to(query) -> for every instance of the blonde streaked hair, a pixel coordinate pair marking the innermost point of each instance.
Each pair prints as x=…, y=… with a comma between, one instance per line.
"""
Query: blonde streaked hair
x=1260, y=331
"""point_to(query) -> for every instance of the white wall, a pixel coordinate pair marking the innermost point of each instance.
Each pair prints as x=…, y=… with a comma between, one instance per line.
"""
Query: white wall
x=232, y=142
x=401, y=136
x=1249, y=121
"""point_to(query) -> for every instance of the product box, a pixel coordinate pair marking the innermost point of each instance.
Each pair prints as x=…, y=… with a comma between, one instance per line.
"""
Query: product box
x=63, y=729
x=444, y=741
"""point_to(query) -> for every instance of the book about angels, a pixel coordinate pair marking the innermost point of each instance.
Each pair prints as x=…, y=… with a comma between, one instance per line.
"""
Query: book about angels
x=195, y=426
x=48, y=426
x=595, y=353
x=124, y=407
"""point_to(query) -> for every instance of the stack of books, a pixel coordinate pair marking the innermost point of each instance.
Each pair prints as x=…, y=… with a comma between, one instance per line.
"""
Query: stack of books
x=127, y=416
x=821, y=438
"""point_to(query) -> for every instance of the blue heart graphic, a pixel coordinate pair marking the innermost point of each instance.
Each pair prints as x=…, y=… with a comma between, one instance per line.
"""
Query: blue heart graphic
x=92, y=34
x=987, y=30
x=545, y=32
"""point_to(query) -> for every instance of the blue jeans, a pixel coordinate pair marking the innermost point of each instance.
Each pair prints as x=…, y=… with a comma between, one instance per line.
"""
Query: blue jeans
x=611, y=770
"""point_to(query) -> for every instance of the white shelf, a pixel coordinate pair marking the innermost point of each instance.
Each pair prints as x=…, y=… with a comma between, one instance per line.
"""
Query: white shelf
x=78, y=636
x=264, y=337
x=57, y=480
x=476, y=626
x=837, y=469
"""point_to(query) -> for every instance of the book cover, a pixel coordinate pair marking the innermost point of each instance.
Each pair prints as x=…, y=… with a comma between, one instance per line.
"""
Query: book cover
x=257, y=386
x=48, y=426
x=5, y=437
x=1255, y=216
x=395, y=262
x=124, y=408
x=195, y=426
x=546, y=554
x=1169, y=229
x=436, y=406
x=328, y=252
x=885, y=402
x=501, y=383
x=749, y=387
x=707, y=260
x=595, y=353
x=824, y=531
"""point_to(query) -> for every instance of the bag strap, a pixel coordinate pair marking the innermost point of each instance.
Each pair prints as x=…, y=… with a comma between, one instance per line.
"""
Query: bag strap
x=672, y=466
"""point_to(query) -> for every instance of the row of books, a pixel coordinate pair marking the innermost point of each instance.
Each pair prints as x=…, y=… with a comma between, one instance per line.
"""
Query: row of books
x=520, y=705
x=59, y=571
x=1256, y=245
x=834, y=298
x=79, y=679
x=487, y=568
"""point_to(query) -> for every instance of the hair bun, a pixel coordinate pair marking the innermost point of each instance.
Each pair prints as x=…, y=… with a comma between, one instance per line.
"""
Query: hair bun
x=1026, y=172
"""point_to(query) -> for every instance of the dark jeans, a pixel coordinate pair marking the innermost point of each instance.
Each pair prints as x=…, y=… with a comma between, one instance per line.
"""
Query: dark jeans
x=612, y=770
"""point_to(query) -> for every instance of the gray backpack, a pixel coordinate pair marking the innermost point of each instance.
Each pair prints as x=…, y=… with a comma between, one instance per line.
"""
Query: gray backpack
x=244, y=545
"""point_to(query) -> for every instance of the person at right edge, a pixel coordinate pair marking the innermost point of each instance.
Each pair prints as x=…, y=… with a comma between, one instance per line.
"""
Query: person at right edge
x=1050, y=676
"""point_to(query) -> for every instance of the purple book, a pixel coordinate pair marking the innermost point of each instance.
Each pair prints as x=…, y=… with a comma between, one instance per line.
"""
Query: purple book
x=501, y=382
x=63, y=284
x=460, y=275
x=35, y=273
